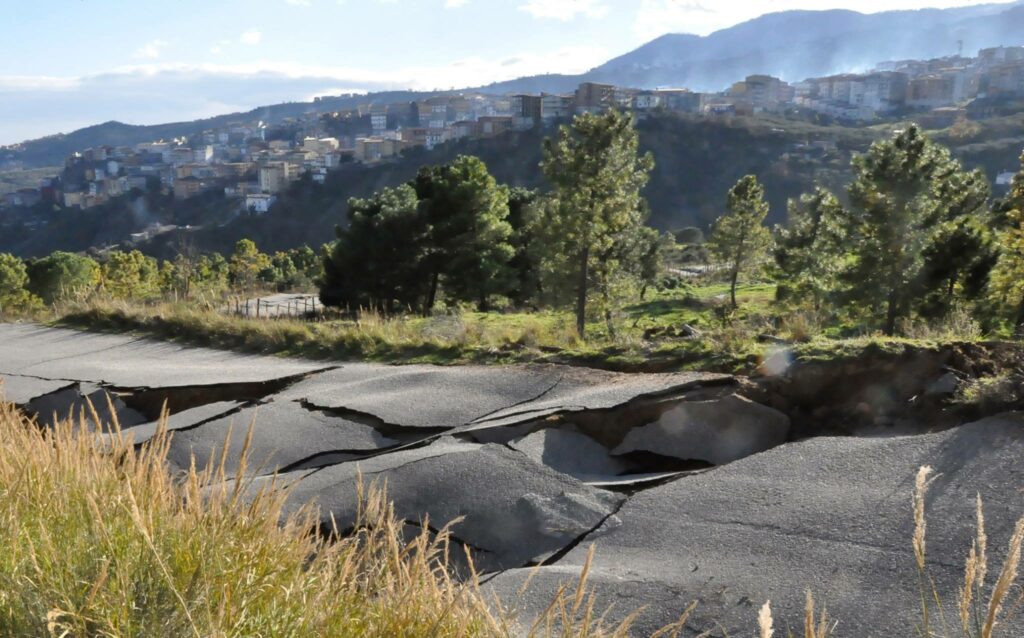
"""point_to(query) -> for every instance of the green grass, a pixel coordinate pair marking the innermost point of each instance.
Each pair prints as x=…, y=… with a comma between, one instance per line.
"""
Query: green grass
x=690, y=328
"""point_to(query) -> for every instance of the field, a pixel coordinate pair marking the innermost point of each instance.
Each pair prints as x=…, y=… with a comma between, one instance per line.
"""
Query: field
x=11, y=181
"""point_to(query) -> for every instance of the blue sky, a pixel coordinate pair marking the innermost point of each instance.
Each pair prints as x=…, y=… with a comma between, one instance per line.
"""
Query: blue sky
x=70, y=63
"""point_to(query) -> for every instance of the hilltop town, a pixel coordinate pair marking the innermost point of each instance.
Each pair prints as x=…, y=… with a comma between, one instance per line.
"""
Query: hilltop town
x=250, y=163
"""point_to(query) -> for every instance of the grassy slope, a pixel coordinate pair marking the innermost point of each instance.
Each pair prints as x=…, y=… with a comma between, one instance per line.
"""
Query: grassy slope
x=470, y=337
x=11, y=181
x=650, y=336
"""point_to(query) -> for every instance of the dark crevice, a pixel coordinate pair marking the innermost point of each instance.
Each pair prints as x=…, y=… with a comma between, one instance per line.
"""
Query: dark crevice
x=523, y=402
x=574, y=543
x=150, y=401
x=390, y=430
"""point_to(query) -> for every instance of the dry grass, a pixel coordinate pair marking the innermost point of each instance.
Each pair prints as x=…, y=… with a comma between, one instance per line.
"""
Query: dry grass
x=978, y=619
x=99, y=540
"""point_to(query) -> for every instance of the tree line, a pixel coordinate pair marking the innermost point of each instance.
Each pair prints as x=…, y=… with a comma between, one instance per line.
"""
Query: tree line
x=27, y=285
x=454, y=234
x=915, y=235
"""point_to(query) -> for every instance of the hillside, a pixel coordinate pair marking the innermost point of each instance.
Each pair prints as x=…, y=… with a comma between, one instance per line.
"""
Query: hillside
x=795, y=45
x=697, y=161
x=53, y=149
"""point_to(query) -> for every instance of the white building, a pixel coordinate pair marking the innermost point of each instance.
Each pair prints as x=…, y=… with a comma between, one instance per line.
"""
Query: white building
x=259, y=203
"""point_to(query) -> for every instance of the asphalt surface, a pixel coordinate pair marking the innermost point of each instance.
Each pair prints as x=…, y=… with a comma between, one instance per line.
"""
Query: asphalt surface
x=538, y=463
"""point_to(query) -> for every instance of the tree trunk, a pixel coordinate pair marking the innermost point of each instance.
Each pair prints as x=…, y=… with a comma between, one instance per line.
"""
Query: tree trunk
x=432, y=295
x=581, y=293
x=734, y=277
x=1019, y=327
x=891, y=315
x=608, y=311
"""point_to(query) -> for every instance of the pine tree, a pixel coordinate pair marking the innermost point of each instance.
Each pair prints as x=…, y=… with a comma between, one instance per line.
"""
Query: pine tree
x=905, y=189
x=14, y=294
x=597, y=174
x=808, y=249
x=1006, y=282
x=468, y=238
x=739, y=239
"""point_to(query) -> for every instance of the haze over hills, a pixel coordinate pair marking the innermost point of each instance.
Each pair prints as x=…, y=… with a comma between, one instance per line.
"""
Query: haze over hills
x=792, y=45
x=795, y=45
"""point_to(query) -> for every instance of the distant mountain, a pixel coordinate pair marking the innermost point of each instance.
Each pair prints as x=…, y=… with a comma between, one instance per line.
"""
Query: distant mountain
x=53, y=149
x=795, y=45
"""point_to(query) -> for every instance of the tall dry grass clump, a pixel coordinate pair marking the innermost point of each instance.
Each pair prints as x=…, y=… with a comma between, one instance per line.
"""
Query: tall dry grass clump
x=99, y=540
x=977, y=618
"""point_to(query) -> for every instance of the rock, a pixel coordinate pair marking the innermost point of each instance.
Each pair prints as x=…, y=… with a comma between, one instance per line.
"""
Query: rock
x=568, y=451
x=831, y=515
x=946, y=385
x=515, y=511
x=718, y=431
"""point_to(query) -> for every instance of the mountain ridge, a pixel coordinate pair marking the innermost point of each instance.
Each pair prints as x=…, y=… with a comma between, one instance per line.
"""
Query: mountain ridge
x=793, y=45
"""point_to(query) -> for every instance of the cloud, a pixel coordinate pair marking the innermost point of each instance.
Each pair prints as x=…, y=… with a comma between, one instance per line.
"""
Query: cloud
x=299, y=3
x=454, y=4
x=251, y=37
x=151, y=49
x=658, y=17
x=565, y=10
x=33, y=106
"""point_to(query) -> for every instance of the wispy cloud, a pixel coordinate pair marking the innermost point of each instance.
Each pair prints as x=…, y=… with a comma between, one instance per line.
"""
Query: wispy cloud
x=299, y=3
x=454, y=4
x=565, y=10
x=251, y=37
x=151, y=49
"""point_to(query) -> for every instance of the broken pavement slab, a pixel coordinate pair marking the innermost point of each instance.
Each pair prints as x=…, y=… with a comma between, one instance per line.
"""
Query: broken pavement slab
x=718, y=431
x=568, y=451
x=582, y=390
x=514, y=511
x=75, y=401
x=127, y=362
x=424, y=396
x=832, y=515
x=20, y=390
x=284, y=435
x=184, y=420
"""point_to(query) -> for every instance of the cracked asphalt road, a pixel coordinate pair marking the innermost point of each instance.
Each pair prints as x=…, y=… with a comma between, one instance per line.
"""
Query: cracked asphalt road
x=503, y=448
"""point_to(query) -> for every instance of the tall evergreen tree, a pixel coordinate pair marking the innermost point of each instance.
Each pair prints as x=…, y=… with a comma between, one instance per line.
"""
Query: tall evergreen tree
x=378, y=260
x=1006, y=283
x=468, y=237
x=904, y=190
x=808, y=249
x=597, y=174
x=525, y=217
x=739, y=239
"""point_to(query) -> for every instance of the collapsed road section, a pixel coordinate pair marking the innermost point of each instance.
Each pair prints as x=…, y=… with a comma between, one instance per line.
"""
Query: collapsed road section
x=690, y=485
